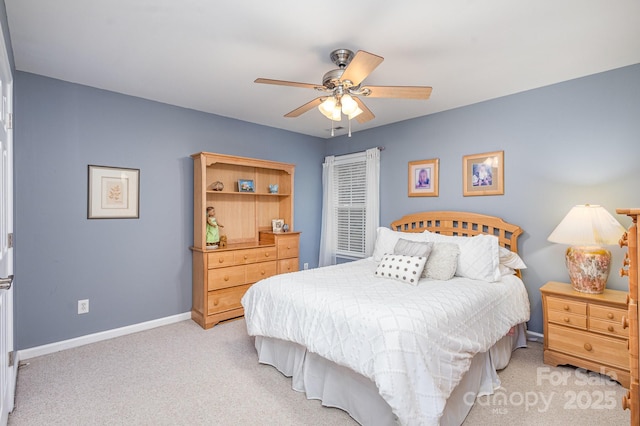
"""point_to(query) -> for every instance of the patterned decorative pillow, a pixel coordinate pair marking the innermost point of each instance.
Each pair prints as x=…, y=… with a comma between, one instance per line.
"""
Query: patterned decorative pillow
x=406, y=269
x=442, y=262
x=413, y=248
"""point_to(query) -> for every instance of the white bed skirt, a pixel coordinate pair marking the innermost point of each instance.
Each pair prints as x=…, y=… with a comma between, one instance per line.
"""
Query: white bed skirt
x=340, y=387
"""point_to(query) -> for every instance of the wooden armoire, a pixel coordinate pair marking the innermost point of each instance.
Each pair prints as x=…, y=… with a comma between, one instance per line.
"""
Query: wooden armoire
x=630, y=239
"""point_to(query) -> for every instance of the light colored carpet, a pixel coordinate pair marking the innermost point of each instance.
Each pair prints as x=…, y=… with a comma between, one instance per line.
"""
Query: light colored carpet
x=181, y=374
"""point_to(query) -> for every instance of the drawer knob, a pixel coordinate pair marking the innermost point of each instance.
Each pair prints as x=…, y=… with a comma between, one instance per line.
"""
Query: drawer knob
x=565, y=307
x=288, y=247
x=246, y=257
x=262, y=272
x=566, y=319
x=215, y=302
x=610, y=315
x=266, y=254
x=625, y=322
x=588, y=347
x=625, y=401
x=220, y=260
x=226, y=277
x=610, y=328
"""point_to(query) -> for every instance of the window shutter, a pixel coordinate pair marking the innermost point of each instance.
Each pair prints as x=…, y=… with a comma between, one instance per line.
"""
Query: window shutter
x=350, y=200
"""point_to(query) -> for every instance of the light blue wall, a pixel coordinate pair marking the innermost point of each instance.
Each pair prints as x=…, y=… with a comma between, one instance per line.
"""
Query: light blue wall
x=566, y=144
x=571, y=143
x=131, y=270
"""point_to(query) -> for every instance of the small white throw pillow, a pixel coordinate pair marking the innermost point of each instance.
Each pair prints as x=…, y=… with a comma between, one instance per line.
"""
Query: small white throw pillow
x=442, y=262
x=413, y=248
x=406, y=269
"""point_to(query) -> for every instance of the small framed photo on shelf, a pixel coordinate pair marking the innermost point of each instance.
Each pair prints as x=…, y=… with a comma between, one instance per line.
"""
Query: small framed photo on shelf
x=113, y=193
x=245, y=185
x=423, y=178
x=483, y=174
x=277, y=224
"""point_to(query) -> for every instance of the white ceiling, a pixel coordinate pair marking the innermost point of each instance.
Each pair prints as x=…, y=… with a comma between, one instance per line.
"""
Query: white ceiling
x=205, y=55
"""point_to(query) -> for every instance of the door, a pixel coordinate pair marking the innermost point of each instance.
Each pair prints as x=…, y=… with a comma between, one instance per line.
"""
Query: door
x=8, y=367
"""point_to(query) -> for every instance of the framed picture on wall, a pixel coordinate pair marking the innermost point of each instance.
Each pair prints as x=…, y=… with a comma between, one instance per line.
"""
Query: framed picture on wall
x=483, y=174
x=423, y=178
x=113, y=193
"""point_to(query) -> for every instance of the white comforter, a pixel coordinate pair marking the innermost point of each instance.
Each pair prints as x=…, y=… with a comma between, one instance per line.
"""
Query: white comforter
x=414, y=342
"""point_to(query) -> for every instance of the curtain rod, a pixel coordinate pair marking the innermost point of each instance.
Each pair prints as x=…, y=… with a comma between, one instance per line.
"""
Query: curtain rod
x=380, y=148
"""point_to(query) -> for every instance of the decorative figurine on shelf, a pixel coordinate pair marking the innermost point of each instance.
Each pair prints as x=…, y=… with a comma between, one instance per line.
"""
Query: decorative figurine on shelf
x=273, y=188
x=285, y=228
x=217, y=186
x=223, y=241
x=213, y=229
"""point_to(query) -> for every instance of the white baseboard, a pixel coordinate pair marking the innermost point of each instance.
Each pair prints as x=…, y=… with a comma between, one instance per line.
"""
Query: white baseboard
x=535, y=337
x=97, y=337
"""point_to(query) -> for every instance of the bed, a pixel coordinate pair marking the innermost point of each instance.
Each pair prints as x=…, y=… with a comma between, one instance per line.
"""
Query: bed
x=410, y=347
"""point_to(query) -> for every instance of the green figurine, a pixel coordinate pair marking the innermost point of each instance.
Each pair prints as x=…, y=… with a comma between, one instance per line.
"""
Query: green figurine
x=213, y=231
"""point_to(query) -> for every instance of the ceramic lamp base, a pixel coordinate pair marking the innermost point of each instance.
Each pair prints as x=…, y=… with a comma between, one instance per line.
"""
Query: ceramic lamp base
x=588, y=268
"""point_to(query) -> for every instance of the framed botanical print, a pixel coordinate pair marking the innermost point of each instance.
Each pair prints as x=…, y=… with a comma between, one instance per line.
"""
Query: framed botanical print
x=113, y=193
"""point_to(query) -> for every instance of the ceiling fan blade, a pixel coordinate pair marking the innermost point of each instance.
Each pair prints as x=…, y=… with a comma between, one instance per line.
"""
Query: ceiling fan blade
x=286, y=83
x=361, y=66
x=366, y=114
x=304, y=108
x=405, y=92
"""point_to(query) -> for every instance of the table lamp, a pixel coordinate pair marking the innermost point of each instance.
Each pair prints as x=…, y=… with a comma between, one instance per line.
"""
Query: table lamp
x=587, y=228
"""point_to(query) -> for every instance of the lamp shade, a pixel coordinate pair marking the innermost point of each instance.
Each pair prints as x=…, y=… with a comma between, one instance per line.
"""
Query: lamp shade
x=587, y=225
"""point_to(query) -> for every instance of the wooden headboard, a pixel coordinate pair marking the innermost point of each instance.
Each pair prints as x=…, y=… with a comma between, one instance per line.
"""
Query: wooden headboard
x=461, y=224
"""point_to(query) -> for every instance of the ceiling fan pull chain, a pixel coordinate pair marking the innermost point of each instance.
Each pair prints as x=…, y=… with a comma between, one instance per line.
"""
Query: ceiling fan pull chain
x=349, y=127
x=331, y=127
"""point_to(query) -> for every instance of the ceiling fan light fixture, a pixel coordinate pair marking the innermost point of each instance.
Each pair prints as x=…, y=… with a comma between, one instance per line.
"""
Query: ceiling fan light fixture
x=349, y=106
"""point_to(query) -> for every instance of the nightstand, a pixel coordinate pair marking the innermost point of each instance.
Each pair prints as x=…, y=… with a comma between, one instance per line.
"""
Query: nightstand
x=586, y=330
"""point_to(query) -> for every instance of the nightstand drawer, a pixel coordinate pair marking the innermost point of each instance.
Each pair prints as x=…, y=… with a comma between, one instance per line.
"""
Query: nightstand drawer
x=608, y=327
x=606, y=313
x=569, y=306
x=588, y=345
x=288, y=265
x=565, y=318
x=288, y=247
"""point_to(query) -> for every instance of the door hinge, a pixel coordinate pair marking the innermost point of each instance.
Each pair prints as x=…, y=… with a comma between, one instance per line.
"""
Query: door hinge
x=10, y=240
x=10, y=121
x=11, y=358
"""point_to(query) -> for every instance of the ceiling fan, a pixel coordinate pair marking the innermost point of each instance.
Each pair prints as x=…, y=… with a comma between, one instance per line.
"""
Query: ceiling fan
x=343, y=86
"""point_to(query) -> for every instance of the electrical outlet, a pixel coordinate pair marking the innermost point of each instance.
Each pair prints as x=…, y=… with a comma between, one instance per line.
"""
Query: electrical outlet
x=305, y=266
x=83, y=306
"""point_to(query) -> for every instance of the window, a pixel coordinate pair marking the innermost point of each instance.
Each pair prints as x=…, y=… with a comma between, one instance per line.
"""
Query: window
x=350, y=206
x=350, y=184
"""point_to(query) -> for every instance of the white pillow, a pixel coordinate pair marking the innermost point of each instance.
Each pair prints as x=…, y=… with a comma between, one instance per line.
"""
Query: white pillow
x=479, y=255
x=511, y=259
x=442, y=261
x=406, y=269
x=386, y=241
x=505, y=270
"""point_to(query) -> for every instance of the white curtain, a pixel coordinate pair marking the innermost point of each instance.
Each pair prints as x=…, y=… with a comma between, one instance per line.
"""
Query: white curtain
x=328, y=237
x=373, y=199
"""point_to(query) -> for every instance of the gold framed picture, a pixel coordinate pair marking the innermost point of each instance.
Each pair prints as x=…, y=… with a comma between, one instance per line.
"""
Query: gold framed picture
x=483, y=174
x=423, y=178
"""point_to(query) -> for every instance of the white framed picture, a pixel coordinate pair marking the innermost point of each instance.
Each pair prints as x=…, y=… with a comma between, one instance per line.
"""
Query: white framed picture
x=276, y=225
